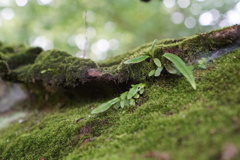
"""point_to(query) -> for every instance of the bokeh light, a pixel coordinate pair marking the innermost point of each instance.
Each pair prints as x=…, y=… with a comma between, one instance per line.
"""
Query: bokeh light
x=7, y=13
x=5, y=3
x=43, y=42
x=44, y=2
x=80, y=41
x=190, y=22
x=114, y=44
x=183, y=3
x=99, y=50
x=216, y=15
x=206, y=18
x=110, y=26
x=233, y=17
x=177, y=17
x=238, y=6
x=91, y=32
x=63, y=23
x=218, y=3
x=169, y=3
x=223, y=23
x=103, y=45
x=21, y=3
x=80, y=54
x=196, y=9
x=91, y=16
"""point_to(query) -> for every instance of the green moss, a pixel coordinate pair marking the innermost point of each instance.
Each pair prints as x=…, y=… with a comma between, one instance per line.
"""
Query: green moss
x=7, y=49
x=171, y=117
x=13, y=59
x=175, y=119
x=51, y=135
x=2, y=57
x=4, y=68
x=36, y=139
x=27, y=56
x=11, y=48
x=189, y=49
x=55, y=68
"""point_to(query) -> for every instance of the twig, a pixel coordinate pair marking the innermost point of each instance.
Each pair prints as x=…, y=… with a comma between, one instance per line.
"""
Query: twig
x=86, y=38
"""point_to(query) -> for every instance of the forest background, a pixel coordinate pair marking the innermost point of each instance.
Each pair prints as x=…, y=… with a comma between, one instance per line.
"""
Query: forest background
x=104, y=29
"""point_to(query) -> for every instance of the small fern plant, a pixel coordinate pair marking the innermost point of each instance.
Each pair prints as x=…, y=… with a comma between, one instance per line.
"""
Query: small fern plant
x=127, y=98
x=176, y=67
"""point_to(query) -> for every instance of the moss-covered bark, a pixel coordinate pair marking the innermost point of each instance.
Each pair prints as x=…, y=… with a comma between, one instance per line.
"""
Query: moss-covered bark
x=60, y=69
x=170, y=119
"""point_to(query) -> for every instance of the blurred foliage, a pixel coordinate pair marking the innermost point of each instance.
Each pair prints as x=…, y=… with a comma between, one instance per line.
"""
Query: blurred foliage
x=113, y=26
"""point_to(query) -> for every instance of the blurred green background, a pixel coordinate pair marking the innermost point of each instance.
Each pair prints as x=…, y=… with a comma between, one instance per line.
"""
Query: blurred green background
x=113, y=26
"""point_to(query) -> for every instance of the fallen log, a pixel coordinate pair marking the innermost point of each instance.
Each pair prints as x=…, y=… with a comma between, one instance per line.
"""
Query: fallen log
x=60, y=69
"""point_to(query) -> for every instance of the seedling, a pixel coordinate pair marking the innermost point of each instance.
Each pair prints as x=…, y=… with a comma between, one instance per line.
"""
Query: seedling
x=156, y=72
x=127, y=98
x=136, y=59
x=202, y=63
x=176, y=67
x=142, y=58
x=152, y=50
x=181, y=67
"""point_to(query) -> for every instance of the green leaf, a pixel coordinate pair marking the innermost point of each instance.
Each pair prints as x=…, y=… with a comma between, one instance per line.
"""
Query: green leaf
x=132, y=91
x=124, y=95
x=122, y=103
x=136, y=59
x=105, y=106
x=202, y=66
x=117, y=105
x=141, y=85
x=154, y=43
x=151, y=73
x=135, y=88
x=157, y=62
x=132, y=102
x=158, y=72
x=153, y=47
x=126, y=102
x=191, y=67
x=43, y=71
x=136, y=96
x=172, y=69
x=141, y=91
x=202, y=61
x=182, y=67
